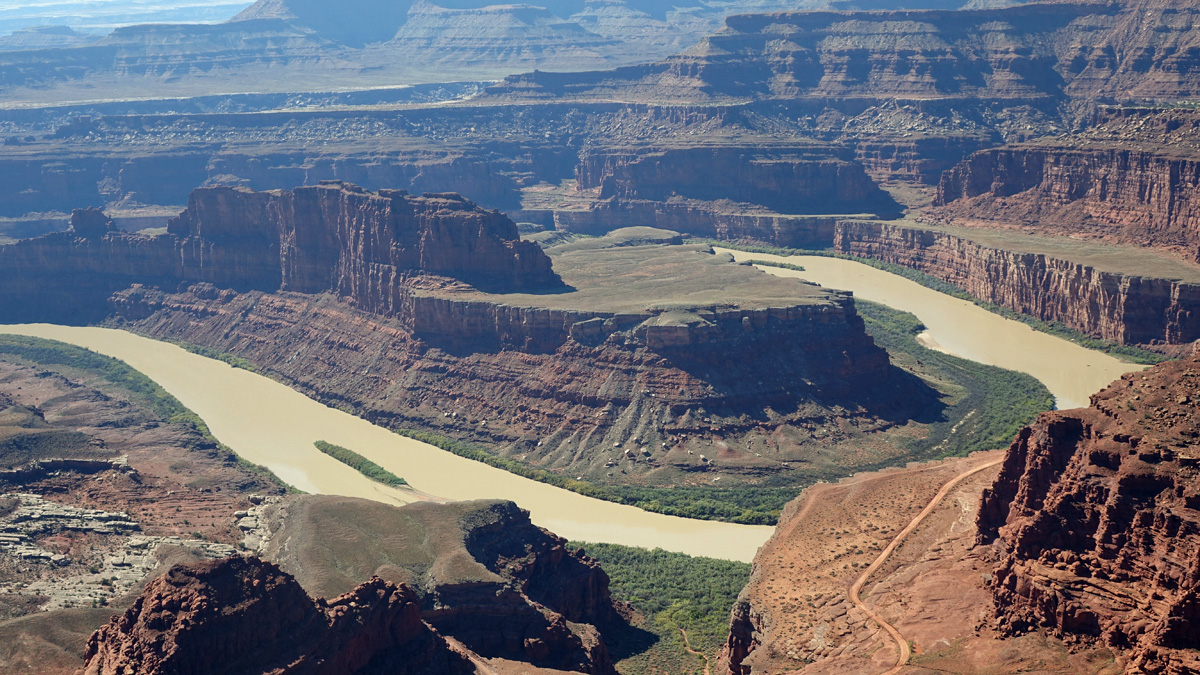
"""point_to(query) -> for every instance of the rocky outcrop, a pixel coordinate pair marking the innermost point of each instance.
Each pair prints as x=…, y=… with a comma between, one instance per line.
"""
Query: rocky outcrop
x=1096, y=519
x=1132, y=179
x=332, y=237
x=812, y=178
x=482, y=572
x=340, y=237
x=1126, y=309
x=244, y=615
x=1133, y=50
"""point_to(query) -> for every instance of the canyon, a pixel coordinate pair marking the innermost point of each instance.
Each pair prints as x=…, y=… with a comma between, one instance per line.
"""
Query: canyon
x=1072, y=550
x=1128, y=178
x=428, y=312
x=550, y=305
x=116, y=520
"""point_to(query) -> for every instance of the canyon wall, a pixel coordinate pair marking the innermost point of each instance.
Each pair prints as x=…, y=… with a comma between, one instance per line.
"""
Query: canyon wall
x=61, y=180
x=331, y=237
x=1021, y=54
x=1096, y=521
x=1124, y=309
x=1131, y=179
x=810, y=178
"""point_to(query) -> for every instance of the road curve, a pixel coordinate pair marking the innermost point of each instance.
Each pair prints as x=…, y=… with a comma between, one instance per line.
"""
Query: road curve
x=856, y=588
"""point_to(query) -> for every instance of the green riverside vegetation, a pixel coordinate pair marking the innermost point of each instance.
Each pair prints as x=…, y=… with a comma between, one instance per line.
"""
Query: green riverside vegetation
x=747, y=505
x=218, y=355
x=672, y=591
x=361, y=464
x=141, y=388
x=993, y=403
x=1128, y=353
x=772, y=263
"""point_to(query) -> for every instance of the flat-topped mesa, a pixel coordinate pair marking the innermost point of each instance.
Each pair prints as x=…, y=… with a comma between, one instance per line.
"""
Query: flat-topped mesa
x=636, y=346
x=333, y=237
x=1096, y=519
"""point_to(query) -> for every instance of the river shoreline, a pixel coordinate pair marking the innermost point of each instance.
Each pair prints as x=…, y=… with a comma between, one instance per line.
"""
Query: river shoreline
x=268, y=423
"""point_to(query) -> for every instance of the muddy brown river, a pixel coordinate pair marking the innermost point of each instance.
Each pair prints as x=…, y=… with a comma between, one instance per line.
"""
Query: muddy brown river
x=1072, y=373
x=270, y=424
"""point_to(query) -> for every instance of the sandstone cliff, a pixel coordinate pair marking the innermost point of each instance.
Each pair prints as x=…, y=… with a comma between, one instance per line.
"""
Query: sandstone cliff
x=240, y=615
x=1126, y=309
x=1096, y=517
x=1040, y=51
x=332, y=237
x=1130, y=179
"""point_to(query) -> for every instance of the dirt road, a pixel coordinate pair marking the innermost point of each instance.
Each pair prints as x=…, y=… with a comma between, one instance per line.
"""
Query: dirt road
x=905, y=650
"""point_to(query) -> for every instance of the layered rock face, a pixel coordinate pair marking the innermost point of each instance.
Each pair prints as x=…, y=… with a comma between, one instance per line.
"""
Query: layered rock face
x=557, y=388
x=244, y=615
x=482, y=572
x=332, y=237
x=1133, y=179
x=1141, y=49
x=340, y=237
x=634, y=346
x=1126, y=309
x=1096, y=518
x=803, y=179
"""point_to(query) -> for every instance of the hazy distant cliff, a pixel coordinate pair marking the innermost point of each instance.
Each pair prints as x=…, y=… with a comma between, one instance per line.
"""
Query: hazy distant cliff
x=1131, y=50
x=332, y=237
